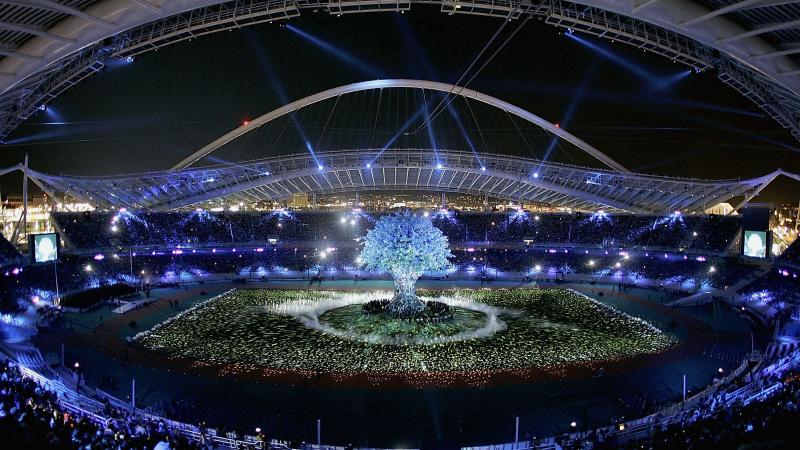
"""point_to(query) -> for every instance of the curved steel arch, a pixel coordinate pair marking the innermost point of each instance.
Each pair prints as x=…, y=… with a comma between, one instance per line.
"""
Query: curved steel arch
x=107, y=18
x=399, y=83
x=713, y=27
x=47, y=46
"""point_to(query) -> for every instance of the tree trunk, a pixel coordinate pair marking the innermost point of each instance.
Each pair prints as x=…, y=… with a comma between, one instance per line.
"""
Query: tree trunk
x=405, y=303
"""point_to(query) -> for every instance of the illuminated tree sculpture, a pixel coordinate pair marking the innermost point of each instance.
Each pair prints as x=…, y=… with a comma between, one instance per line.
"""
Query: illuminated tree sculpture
x=405, y=245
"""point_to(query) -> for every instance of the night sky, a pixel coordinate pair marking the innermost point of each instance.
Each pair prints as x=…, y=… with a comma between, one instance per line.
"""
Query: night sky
x=151, y=113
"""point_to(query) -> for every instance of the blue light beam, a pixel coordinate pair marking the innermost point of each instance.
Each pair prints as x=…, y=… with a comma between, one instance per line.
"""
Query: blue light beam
x=421, y=59
x=577, y=97
x=277, y=87
x=341, y=54
x=431, y=134
x=397, y=135
x=655, y=81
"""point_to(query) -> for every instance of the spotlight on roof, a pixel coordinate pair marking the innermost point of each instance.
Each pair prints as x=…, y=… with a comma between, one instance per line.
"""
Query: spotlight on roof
x=439, y=166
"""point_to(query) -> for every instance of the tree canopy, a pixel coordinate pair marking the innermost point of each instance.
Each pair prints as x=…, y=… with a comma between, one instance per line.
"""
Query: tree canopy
x=405, y=243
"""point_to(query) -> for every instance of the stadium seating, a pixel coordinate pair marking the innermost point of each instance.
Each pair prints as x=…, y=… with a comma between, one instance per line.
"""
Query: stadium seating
x=125, y=229
x=756, y=404
x=31, y=418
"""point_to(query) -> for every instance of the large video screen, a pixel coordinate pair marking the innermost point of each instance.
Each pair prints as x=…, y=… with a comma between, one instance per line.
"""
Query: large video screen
x=44, y=247
x=755, y=244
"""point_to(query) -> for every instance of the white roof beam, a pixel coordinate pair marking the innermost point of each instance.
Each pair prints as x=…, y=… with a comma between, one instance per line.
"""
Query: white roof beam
x=146, y=5
x=790, y=49
x=15, y=54
x=724, y=10
x=53, y=6
x=761, y=30
x=34, y=31
x=645, y=4
x=768, y=3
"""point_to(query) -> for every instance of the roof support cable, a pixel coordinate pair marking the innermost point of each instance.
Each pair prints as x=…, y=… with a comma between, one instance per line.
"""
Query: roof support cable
x=486, y=63
x=466, y=71
x=325, y=127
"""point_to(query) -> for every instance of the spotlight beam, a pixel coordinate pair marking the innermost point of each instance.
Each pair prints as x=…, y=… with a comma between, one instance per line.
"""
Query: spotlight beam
x=654, y=80
x=338, y=53
x=515, y=86
x=570, y=112
x=420, y=56
x=399, y=133
x=277, y=87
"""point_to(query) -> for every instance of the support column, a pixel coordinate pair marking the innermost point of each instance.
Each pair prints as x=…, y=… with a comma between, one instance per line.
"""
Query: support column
x=25, y=198
x=21, y=228
x=57, y=301
x=684, y=387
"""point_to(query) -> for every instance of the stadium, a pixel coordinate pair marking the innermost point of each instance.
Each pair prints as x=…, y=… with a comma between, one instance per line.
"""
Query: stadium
x=445, y=224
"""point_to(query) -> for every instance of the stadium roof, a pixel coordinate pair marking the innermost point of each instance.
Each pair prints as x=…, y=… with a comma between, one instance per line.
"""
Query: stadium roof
x=506, y=177
x=365, y=168
x=46, y=46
